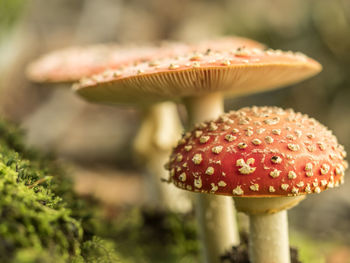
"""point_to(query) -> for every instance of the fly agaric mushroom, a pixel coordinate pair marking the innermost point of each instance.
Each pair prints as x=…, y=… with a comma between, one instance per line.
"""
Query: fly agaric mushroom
x=201, y=79
x=268, y=159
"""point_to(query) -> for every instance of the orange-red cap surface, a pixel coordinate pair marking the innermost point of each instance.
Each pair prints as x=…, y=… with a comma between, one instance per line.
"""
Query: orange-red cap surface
x=74, y=63
x=258, y=151
x=239, y=71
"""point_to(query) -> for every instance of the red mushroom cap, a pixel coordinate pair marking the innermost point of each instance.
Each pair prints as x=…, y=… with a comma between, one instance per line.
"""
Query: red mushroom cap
x=74, y=63
x=239, y=71
x=258, y=151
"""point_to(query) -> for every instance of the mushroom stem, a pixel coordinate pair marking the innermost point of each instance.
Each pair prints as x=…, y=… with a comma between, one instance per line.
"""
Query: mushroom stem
x=217, y=225
x=268, y=238
x=158, y=134
x=216, y=214
x=205, y=107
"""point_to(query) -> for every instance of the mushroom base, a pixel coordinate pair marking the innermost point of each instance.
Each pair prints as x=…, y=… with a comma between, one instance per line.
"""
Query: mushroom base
x=266, y=205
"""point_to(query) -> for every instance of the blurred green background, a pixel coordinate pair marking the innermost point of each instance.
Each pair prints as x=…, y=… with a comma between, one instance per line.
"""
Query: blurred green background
x=97, y=140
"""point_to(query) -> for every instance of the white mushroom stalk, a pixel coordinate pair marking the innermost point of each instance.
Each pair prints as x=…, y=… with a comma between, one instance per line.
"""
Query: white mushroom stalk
x=268, y=227
x=159, y=132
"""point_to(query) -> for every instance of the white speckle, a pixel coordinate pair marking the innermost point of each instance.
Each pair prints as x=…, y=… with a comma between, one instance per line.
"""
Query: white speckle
x=317, y=190
x=217, y=149
x=204, y=139
x=234, y=131
x=213, y=126
x=332, y=156
x=242, y=145
x=198, y=182
x=308, y=189
x=214, y=187
x=179, y=157
x=243, y=121
x=339, y=170
x=272, y=121
x=290, y=137
x=254, y=187
x=256, y=141
x=173, y=66
x=276, y=159
x=209, y=171
x=197, y=134
x=188, y=148
x=298, y=133
x=323, y=182
x=272, y=189
x=117, y=74
x=245, y=166
x=249, y=132
x=196, y=64
x=311, y=148
x=197, y=158
x=285, y=187
x=260, y=130
x=276, y=131
x=226, y=62
x=295, y=190
x=222, y=184
x=293, y=147
x=289, y=157
x=223, y=118
x=322, y=146
x=153, y=63
x=300, y=184
x=230, y=137
x=275, y=173
x=182, y=177
x=308, y=167
x=310, y=135
x=292, y=175
x=325, y=169
x=269, y=139
x=309, y=173
x=237, y=191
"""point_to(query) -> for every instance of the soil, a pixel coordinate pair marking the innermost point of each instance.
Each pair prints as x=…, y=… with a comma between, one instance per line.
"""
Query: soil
x=239, y=254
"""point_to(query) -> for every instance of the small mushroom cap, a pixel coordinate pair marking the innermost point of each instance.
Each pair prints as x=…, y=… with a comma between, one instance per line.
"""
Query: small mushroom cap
x=258, y=152
x=241, y=71
x=73, y=63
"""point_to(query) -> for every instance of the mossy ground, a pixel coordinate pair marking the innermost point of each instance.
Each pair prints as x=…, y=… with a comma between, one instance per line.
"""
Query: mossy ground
x=42, y=220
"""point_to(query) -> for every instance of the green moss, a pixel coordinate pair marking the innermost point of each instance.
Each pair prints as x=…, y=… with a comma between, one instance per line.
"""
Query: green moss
x=31, y=215
x=48, y=222
x=153, y=236
x=42, y=219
